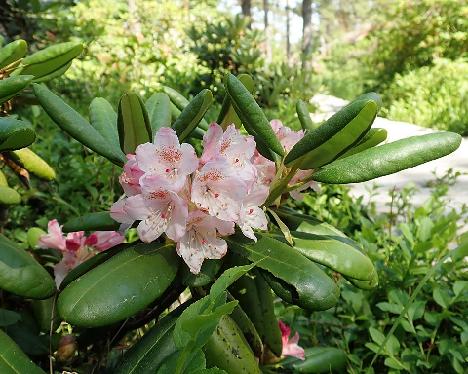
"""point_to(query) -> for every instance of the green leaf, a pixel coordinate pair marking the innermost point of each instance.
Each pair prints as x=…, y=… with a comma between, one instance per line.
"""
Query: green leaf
x=33, y=163
x=12, y=52
x=441, y=296
x=11, y=86
x=334, y=253
x=227, y=114
x=9, y=196
x=206, y=275
x=13, y=360
x=133, y=123
x=331, y=139
x=15, y=134
x=33, y=235
x=321, y=360
x=8, y=317
x=159, y=111
x=49, y=60
x=304, y=116
x=104, y=119
x=56, y=73
x=306, y=284
x=192, y=114
x=119, y=287
x=99, y=221
x=21, y=274
x=227, y=349
x=75, y=125
x=251, y=115
x=371, y=139
x=389, y=158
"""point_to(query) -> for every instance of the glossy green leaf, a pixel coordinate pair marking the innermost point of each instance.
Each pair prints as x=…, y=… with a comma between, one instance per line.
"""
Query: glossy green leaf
x=33, y=235
x=11, y=86
x=9, y=196
x=206, y=275
x=33, y=163
x=120, y=287
x=159, y=111
x=103, y=118
x=15, y=134
x=320, y=360
x=371, y=139
x=44, y=311
x=304, y=116
x=370, y=96
x=389, y=158
x=75, y=125
x=91, y=263
x=228, y=350
x=331, y=139
x=227, y=114
x=21, y=274
x=99, y=221
x=251, y=115
x=365, y=284
x=256, y=299
x=50, y=59
x=133, y=123
x=8, y=317
x=309, y=287
x=13, y=360
x=192, y=114
x=180, y=102
x=334, y=253
x=56, y=73
x=12, y=52
x=3, y=179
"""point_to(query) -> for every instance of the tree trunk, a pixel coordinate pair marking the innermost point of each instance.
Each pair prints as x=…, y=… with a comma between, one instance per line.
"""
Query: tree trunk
x=266, y=9
x=246, y=6
x=288, y=32
x=306, y=32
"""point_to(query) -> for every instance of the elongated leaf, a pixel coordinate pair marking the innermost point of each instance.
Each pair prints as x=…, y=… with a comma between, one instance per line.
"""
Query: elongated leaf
x=8, y=317
x=100, y=221
x=33, y=163
x=365, y=284
x=159, y=111
x=120, y=287
x=206, y=275
x=75, y=125
x=104, y=119
x=15, y=134
x=227, y=114
x=180, y=102
x=9, y=196
x=56, y=73
x=49, y=60
x=334, y=253
x=251, y=115
x=227, y=349
x=133, y=123
x=11, y=86
x=320, y=360
x=334, y=137
x=304, y=116
x=12, y=52
x=389, y=158
x=371, y=139
x=3, y=179
x=13, y=360
x=309, y=286
x=192, y=114
x=21, y=274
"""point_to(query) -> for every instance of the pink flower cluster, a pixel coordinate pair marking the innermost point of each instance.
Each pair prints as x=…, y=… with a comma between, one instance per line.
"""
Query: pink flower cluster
x=76, y=247
x=290, y=346
x=196, y=201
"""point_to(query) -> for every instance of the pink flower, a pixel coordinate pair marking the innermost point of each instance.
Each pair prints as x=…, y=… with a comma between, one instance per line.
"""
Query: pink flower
x=290, y=347
x=235, y=148
x=167, y=158
x=217, y=190
x=251, y=215
x=159, y=209
x=201, y=240
x=119, y=214
x=54, y=238
x=130, y=177
x=102, y=240
x=287, y=137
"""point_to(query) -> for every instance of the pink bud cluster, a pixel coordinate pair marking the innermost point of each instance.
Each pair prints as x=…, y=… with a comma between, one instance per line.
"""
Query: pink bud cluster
x=75, y=246
x=196, y=201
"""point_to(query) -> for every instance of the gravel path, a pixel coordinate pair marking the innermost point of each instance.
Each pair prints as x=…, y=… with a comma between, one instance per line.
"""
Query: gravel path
x=420, y=175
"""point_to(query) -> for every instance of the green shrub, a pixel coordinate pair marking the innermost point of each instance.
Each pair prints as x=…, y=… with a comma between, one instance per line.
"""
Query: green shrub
x=432, y=96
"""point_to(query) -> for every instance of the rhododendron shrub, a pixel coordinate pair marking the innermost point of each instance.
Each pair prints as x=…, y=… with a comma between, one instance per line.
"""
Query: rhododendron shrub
x=217, y=238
